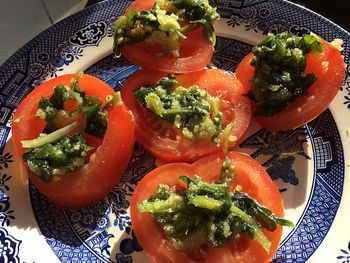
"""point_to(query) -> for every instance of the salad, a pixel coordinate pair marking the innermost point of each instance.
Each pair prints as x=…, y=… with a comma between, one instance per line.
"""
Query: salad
x=316, y=66
x=209, y=203
x=63, y=132
x=186, y=116
x=172, y=36
x=221, y=208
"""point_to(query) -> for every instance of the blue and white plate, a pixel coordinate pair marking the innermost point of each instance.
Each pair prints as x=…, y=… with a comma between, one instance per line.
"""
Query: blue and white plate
x=313, y=178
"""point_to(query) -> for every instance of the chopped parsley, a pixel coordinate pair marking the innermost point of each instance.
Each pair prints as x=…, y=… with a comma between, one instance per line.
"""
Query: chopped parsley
x=279, y=77
x=61, y=147
x=191, y=109
x=163, y=24
x=57, y=158
x=209, y=214
x=53, y=112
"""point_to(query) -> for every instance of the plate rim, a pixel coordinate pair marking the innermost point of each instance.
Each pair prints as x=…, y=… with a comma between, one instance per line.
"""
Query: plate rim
x=28, y=46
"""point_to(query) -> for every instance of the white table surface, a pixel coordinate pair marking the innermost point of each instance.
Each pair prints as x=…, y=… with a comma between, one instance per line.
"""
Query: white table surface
x=21, y=20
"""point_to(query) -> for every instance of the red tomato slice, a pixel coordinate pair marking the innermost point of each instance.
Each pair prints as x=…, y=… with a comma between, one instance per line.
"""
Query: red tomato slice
x=318, y=96
x=195, y=51
x=140, y=5
x=106, y=164
x=165, y=141
x=253, y=180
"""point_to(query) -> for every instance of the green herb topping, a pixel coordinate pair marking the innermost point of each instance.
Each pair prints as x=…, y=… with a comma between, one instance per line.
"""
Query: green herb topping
x=61, y=147
x=163, y=24
x=209, y=213
x=65, y=155
x=279, y=77
x=192, y=109
x=53, y=111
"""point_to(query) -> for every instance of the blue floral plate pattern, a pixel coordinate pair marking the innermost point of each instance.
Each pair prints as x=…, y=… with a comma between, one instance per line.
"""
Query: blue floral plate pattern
x=310, y=165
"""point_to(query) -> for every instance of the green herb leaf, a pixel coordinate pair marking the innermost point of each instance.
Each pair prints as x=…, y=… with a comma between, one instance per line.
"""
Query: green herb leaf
x=189, y=109
x=167, y=82
x=279, y=77
x=142, y=93
x=209, y=213
x=89, y=110
x=97, y=123
x=46, y=110
x=162, y=24
x=59, y=96
x=66, y=154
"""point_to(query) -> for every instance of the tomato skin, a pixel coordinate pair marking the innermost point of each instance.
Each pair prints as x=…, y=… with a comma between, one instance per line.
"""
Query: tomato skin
x=195, y=52
x=165, y=141
x=87, y=184
x=318, y=96
x=140, y=5
x=250, y=176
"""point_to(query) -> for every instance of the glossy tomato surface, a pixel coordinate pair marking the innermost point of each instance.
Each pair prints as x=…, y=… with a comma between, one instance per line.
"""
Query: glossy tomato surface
x=195, y=51
x=106, y=164
x=166, y=142
x=329, y=67
x=253, y=180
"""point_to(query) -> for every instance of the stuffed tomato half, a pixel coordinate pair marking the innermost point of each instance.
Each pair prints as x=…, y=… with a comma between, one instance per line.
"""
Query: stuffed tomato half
x=75, y=137
x=217, y=209
x=170, y=36
x=184, y=117
x=292, y=79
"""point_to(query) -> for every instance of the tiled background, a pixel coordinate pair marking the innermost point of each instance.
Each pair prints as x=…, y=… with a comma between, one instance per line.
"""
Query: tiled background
x=21, y=20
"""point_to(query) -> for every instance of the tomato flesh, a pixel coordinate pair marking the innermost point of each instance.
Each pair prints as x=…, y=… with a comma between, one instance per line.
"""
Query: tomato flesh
x=195, y=51
x=111, y=154
x=329, y=68
x=165, y=141
x=253, y=180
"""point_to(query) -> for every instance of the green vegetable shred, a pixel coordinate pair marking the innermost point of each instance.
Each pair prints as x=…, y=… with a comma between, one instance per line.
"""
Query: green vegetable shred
x=279, y=77
x=163, y=24
x=65, y=155
x=191, y=109
x=209, y=214
x=61, y=147
x=52, y=110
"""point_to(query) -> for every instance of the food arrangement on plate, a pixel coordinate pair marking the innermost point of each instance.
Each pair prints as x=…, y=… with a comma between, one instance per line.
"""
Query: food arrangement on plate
x=208, y=203
x=65, y=132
